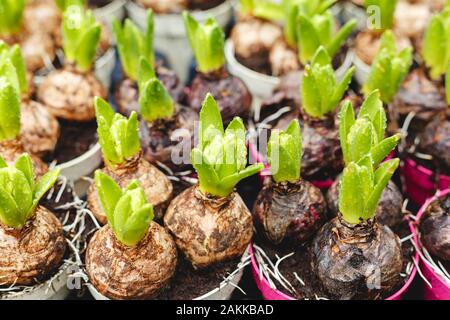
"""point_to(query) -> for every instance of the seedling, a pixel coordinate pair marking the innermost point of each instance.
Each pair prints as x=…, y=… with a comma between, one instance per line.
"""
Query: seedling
x=207, y=41
x=436, y=45
x=383, y=11
x=19, y=193
x=389, y=69
x=320, y=91
x=220, y=158
x=320, y=30
x=13, y=55
x=9, y=110
x=133, y=43
x=11, y=16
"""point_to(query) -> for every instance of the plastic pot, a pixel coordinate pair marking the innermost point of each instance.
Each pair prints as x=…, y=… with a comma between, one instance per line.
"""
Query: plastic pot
x=323, y=184
x=170, y=34
x=269, y=293
x=420, y=182
x=362, y=70
x=440, y=289
x=115, y=9
x=223, y=292
x=261, y=85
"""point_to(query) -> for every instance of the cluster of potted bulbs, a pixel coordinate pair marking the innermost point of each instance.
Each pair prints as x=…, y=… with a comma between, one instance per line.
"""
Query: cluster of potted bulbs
x=123, y=172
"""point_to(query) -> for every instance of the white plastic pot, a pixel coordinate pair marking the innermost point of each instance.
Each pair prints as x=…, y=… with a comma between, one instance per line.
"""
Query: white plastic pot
x=54, y=289
x=261, y=85
x=170, y=34
x=223, y=292
x=346, y=11
x=104, y=67
x=115, y=9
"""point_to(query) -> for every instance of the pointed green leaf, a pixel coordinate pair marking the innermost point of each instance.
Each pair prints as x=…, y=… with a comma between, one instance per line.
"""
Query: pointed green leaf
x=351, y=201
x=308, y=39
x=210, y=120
x=24, y=165
x=109, y=193
x=9, y=213
x=347, y=120
x=155, y=102
x=44, y=184
x=9, y=111
x=311, y=96
x=339, y=39
x=384, y=148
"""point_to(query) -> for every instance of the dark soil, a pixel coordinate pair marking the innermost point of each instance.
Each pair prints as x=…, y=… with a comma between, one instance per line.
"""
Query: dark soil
x=300, y=263
x=99, y=3
x=204, y=4
x=189, y=284
x=76, y=138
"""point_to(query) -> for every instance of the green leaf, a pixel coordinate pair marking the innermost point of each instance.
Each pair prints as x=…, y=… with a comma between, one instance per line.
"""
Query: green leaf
x=321, y=57
x=210, y=120
x=3, y=163
x=308, y=39
x=137, y=225
x=351, y=200
x=11, y=16
x=436, y=46
x=371, y=105
x=208, y=178
x=311, y=97
x=347, y=120
x=285, y=153
x=24, y=165
x=109, y=193
x=155, y=102
x=228, y=183
x=7, y=70
x=146, y=73
x=386, y=10
x=235, y=157
x=360, y=139
x=335, y=45
x=290, y=28
x=9, y=213
x=9, y=111
x=382, y=176
x=14, y=55
x=44, y=184
x=341, y=89
x=87, y=48
x=384, y=148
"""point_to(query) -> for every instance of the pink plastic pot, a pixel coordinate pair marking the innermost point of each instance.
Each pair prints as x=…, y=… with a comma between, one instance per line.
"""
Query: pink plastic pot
x=324, y=184
x=419, y=181
x=272, y=294
x=439, y=290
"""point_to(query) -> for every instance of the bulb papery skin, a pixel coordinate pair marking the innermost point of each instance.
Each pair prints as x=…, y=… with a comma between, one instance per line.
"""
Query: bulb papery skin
x=30, y=255
x=434, y=228
x=361, y=261
x=11, y=150
x=289, y=213
x=209, y=230
x=39, y=128
x=232, y=95
x=131, y=273
x=69, y=94
x=156, y=185
x=389, y=210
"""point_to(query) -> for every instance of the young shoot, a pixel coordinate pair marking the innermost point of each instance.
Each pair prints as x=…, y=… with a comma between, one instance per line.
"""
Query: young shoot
x=81, y=36
x=320, y=91
x=264, y=9
x=285, y=153
x=11, y=16
x=133, y=43
x=220, y=157
x=118, y=136
x=361, y=187
x=365, y=135
x=292, y=8
x=381, y=13
x=436, y=45
x=389, y=68
x=207, y=41
x=9, y=110
x=19, y=193
x=13, y=55
x=320, y=30
x=154, y=99
x=128, y=211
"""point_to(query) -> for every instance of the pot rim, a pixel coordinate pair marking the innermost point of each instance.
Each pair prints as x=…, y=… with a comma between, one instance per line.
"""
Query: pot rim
x=439, y=194
x=423, y=169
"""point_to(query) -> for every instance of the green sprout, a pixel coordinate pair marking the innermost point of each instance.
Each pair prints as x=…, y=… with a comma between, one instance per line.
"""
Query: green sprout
x=383, y=11
x=9, y=110
x=365, y=135
x=389, y=68
x=361, y=187
x=284, y=152
x=220, y=157
x=264, y=9
x=320, y=91
x=436, y=45
x=292, y=8
x=19, y=193
x=81, y=36
x=128, y=211
x=11, y=16
x=207, y=41
x=118, y=136
x=133, y=43
x=320, y=30
x=154, y=99
x=14, y=56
